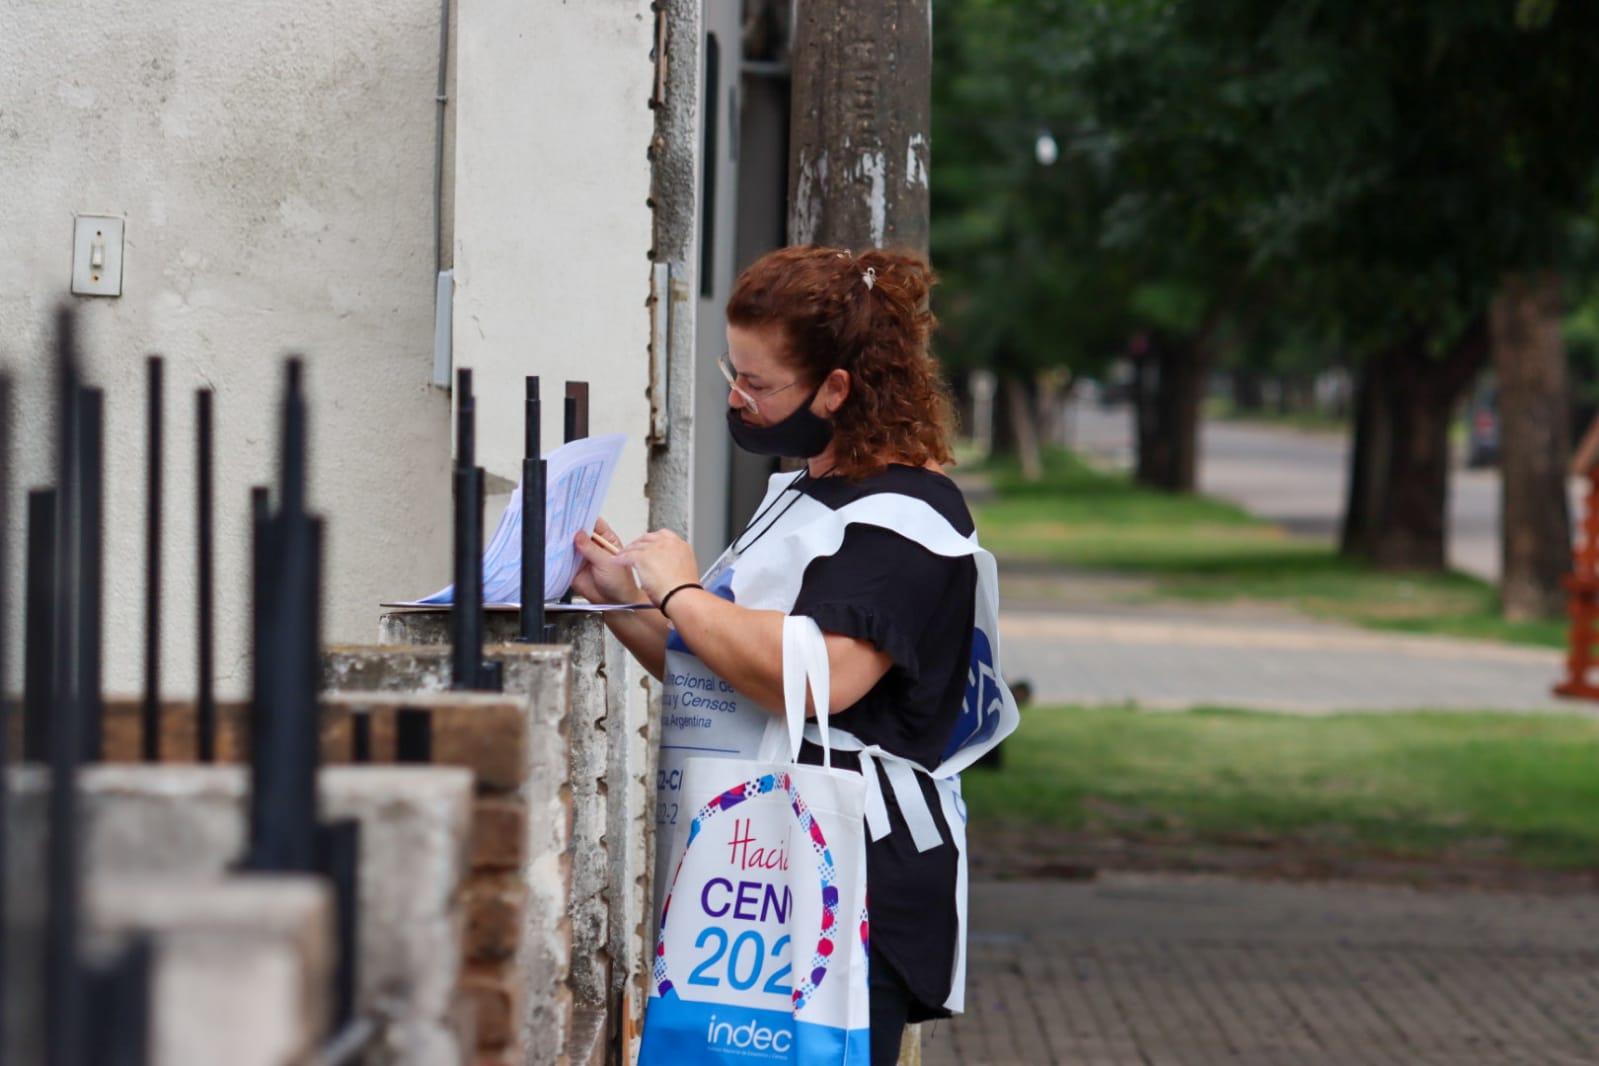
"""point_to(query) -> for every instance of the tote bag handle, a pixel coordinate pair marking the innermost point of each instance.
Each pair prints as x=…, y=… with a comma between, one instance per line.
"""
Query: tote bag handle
x=805, y=661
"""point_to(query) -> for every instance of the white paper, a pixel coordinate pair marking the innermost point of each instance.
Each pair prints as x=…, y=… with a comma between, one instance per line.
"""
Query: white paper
x=596, y=608
x=577, y=477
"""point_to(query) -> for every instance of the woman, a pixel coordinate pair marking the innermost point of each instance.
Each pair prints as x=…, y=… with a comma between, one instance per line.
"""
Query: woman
x=828, y=362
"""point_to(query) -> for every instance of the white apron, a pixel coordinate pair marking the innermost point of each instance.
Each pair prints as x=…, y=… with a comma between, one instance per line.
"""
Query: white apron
x=701, y=715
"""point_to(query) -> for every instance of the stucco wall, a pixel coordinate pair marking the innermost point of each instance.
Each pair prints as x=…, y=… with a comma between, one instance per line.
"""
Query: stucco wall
x=273, y=160
x=553, y=224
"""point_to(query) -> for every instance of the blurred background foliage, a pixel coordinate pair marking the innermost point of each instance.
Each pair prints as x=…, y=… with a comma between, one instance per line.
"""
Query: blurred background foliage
x=1244, y=191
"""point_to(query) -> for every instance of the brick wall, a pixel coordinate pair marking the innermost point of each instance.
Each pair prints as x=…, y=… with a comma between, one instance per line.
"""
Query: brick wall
x=485, y=733
x=517, y=971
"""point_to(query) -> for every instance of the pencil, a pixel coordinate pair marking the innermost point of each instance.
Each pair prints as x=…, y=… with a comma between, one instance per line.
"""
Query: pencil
x=602, y=542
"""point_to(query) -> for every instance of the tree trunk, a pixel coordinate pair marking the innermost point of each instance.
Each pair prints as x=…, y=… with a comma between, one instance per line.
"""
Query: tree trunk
x=858, y=139
x=1529, y=360
x=1412, y=531
x=1248, y=395
x=1368, y=461
x=1024, y=427
x=1053, y=389
x=1169, y=385
x=1409, y=529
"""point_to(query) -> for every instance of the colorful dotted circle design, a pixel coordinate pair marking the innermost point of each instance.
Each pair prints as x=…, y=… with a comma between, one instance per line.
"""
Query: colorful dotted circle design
x=826, y=871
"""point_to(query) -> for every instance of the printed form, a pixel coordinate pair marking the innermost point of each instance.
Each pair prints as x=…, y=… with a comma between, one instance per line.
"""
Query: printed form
x=577, y=478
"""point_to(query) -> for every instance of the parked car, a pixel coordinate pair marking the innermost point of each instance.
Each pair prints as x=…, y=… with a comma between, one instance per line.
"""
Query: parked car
x=1482, y=427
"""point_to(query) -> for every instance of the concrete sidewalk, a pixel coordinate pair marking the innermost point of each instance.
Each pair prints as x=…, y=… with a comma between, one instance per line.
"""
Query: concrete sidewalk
x=1140, y=970
x=1171, y=657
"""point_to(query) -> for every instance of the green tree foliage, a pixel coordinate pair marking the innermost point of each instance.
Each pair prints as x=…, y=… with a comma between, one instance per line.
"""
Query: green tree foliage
x=1351, y=176
x=1027, y=284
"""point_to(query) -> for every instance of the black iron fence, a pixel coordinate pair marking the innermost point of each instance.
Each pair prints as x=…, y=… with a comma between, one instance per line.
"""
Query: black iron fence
x=96, y=1011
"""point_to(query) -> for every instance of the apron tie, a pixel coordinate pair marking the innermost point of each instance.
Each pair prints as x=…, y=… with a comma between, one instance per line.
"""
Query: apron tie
x=901, y=773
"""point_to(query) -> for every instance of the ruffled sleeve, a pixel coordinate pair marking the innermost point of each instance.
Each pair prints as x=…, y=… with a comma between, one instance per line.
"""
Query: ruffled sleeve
x=881, y=588
x=862, y=622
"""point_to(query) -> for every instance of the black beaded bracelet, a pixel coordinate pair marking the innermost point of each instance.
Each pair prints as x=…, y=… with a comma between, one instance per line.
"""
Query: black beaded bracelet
x=668, y=597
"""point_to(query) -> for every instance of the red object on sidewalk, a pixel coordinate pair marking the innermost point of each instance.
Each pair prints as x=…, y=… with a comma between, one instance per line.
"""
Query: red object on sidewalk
x=1583, y=582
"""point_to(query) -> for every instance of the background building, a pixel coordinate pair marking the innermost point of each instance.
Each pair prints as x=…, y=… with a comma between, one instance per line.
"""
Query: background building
x=291, y=181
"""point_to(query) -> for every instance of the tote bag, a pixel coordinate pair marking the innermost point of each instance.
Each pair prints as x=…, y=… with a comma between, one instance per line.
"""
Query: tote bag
x=762, y=952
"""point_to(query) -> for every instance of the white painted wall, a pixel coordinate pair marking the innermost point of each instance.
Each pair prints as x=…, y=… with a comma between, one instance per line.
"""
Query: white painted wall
x=552, y=224
x=273, y=160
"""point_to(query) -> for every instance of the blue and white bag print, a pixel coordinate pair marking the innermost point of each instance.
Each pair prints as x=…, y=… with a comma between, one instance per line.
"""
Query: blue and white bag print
x=702, y=715
x=762, y=951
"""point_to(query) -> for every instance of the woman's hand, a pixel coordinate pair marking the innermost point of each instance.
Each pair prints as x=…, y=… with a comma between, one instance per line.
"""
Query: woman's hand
x=663, y=561
x=603, y=578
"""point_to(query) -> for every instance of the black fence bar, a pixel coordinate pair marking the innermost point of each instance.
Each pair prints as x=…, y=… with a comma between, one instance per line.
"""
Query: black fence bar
x=531, y=620
x=283, y=759
x=260, y=514
x=360, y=737
x=91, y=538
x=285, y=833
x=6, y=571
x=532, y=420
x=338, y=848
x=292, y=462
x=263, y=553
x=577, y=410
x=286, y=625
x=413, y=735
x=39, y=602
x=576, y=427
x=155, y=404
x=64, y=999
x=467, y=617
x=205, y=683
x=119, y=1000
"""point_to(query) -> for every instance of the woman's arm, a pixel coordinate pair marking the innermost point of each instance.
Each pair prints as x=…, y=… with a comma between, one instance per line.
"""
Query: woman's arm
x=744, y=647
x=644, y=634
x=601, y=579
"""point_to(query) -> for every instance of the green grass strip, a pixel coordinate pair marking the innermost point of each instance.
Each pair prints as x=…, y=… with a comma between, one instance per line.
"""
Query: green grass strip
x=1522, y=788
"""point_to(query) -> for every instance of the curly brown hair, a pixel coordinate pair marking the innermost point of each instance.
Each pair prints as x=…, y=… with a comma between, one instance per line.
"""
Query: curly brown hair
x=831, y=316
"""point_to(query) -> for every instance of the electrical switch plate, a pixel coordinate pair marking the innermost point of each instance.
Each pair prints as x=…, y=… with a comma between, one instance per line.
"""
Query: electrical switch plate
x=97, y=256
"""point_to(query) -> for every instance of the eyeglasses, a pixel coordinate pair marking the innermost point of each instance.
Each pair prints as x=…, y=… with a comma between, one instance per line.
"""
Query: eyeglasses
x=751, y=400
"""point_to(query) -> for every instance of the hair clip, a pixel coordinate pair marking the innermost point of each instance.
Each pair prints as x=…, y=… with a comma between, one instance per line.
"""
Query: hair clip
x=870, y=277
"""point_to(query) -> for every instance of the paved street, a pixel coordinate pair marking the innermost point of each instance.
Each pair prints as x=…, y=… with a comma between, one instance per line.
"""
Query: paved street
x=1139, y=970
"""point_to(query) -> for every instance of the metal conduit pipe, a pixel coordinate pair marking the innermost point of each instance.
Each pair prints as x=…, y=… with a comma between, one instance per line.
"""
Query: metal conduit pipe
x=440, y=99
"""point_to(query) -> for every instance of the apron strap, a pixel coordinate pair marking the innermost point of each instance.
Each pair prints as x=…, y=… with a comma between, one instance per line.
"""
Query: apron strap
x=901, y=773
x=877, y=823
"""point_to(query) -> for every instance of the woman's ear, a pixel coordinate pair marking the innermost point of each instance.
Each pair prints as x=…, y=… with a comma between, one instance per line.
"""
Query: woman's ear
x=834, y=391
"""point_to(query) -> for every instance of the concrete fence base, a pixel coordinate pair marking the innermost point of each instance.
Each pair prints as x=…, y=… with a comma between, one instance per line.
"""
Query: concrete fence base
x=185, y=828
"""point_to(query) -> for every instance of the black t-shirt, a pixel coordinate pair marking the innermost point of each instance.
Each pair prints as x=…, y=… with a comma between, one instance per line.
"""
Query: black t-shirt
x=918, y=607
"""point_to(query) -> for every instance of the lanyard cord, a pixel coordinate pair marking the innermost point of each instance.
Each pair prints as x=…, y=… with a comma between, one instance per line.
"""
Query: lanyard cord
x=735, y=549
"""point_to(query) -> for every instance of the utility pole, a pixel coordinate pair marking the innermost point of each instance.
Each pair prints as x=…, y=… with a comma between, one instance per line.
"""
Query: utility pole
x=860, y=122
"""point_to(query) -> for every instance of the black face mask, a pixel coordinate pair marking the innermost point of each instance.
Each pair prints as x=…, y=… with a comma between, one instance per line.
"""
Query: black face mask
x=799, y=436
